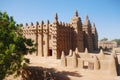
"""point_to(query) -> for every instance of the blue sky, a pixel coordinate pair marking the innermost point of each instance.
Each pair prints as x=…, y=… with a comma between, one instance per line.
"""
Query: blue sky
x=104, y=13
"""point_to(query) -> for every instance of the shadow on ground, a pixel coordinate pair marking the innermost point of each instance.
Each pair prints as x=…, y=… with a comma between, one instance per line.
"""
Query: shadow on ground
x=40, y=73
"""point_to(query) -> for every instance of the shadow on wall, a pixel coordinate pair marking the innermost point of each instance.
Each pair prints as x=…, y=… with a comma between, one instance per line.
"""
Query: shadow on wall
x=40, y=73
x=118, y=70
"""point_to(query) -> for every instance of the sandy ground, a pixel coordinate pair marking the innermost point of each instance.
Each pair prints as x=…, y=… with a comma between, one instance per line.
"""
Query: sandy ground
x=69, y=73
x=54, y=65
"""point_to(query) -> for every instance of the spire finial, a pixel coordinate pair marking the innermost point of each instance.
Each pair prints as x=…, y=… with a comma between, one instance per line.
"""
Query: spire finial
x=76, y=13
x=31, y=23
x=86, y=17
x=56, y=18
x=76, y=50
x=63, y=54
x=86, y=50
x=48, y=22
x=26, y=24
x=37, y=23
x=42, y=22
x=101, y=51
x=87, y=21
x=93, y=25
x=70, y=53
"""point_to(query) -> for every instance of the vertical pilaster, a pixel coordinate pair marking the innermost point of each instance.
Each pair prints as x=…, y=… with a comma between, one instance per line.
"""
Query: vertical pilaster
x=40, y=39
x=55, y=31
x=37, y=38
x=46, y=39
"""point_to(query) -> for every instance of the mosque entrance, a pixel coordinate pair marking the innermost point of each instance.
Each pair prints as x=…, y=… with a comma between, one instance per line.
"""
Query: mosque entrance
x=50, y=52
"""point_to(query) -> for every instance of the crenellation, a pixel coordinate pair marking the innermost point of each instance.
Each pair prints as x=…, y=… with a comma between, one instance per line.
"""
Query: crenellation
x=26, y=24
x=31, y=24
x=37, y=23
x=63, y=24
x=70, y=53
x=76, y=13
x=60, y=23
x=101, y=54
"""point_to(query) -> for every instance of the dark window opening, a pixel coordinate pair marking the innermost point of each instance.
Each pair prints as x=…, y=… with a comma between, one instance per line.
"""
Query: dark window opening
x=50, y=52
x=88, y=65
x=85, y=65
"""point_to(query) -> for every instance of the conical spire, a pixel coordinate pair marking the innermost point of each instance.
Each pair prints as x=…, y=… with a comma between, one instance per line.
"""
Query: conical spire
x=93, y=28
x=86, y=17
x=101, y=51
x=42, y=22
x=70, y=53
x=26, y=24
x=86, y=51
x=31, y=24
x=93, y=25
x=76, y=50
x=76, y=13
x=101, y=54
x=86, y=22
x=37, y=23
x=48, y=21
x=56, y=18
x=63, y=54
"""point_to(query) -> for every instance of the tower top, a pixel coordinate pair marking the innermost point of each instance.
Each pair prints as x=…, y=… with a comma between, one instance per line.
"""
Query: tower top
x=86, y=17
x=42, y=22
x=48, y=22
x=87, y=21
x=93, y=25
x=76, y=13
x=56, y=18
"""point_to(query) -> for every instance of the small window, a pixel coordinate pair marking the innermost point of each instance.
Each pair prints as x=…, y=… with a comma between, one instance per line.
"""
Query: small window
x=91, y=65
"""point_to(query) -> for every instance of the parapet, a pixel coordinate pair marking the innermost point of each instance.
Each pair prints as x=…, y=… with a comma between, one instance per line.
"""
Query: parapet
x=91, y=62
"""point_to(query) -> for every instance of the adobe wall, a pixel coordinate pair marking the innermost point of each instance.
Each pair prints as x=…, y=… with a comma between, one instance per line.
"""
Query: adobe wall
x=100, y=64
x=53, y=38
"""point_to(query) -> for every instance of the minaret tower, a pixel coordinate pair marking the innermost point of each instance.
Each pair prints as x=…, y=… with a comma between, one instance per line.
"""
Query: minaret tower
x=78, y=34
x=55, y=35
x=76, y=22
x=95, y=37
x=87, y=34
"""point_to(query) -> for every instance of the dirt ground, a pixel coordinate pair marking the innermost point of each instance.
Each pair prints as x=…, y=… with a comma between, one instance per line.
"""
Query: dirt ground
x=68, y=73
x=62, y=73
